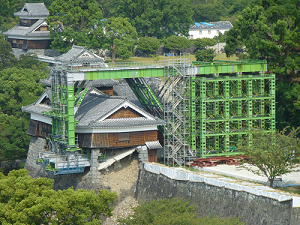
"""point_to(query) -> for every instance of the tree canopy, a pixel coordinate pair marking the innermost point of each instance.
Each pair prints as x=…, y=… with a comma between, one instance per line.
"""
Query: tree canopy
x=272, y=153
x=270, y=30
x=174, y=42
x=25, y=200
x=18, y=87
x=72, y=22
x=148, y=44
x=120, y=36
x=204, y=42
x=205, y=55
x=157, y=18
x=171, y=212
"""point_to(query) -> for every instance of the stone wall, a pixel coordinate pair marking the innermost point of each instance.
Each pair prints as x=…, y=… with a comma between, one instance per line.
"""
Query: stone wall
x=44, y=52
x=36, y=146
x=222, y=201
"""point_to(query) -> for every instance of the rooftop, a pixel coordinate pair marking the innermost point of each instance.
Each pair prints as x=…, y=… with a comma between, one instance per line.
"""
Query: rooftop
x=33, y=10
x=79, y=54
x=221, y=25
x=29, y=31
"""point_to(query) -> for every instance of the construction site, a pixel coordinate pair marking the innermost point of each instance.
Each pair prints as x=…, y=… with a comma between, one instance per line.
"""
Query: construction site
x=199, y=114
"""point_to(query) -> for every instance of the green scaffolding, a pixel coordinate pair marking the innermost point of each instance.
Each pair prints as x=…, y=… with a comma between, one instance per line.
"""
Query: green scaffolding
x=228, y=108
x=207, y=107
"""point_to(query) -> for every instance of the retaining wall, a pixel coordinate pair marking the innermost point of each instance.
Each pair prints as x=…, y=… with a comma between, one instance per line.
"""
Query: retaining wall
x=253, y=203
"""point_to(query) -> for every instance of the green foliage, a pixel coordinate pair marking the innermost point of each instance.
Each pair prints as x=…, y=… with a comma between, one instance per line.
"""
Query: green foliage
x=270, y=30
x=25, y=200
x=157, y=18
x=30, y=61
x=209, y=12
x=288, y=106
x=120, y=37
x=205, y=55
x=273, y=153
x=148, y=44
x=18, y=87
x=170, y=212
x=73, y=22
x=204, y=42
x=174, y=42
x=6, y=56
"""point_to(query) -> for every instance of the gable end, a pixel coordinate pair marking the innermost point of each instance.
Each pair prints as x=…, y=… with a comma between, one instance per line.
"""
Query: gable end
x=125, y=113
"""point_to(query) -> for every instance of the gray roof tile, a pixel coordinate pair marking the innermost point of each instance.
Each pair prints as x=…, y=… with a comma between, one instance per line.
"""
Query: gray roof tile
x=28, y=31
x=73, y=56
x=123, y=89
x=94, y=106
x=33, y=9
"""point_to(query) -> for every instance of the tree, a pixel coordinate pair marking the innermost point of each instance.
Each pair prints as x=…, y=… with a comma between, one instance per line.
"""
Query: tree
x=204, y=42
x=209, y=11
x=73, y=22
x=18, y=87
x=272, y=153
x=174, y=42
x=205, y=55
x=270, y=30
x=148, y=44
x=6, y=56
x=171, y=212
x=25, y=200
x=120, y=36
x=157, y=18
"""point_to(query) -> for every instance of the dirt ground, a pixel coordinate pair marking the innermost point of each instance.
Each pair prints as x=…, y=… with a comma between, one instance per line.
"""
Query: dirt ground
x=122, y=178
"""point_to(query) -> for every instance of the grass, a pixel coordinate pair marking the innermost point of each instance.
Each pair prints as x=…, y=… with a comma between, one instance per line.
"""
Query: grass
x=291, y=189
x=221, y=56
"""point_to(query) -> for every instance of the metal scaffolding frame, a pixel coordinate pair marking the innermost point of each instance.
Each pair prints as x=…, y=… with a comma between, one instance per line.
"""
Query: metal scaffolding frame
x=207, y=107
x=177, y=104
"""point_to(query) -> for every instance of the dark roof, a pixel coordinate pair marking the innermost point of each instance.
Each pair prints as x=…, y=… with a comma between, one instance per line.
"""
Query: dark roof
x=221, y=25
x=75, y=55
x=46, y=81
x=38, y=108
x=123, y=89
x=23, y=31
x=94, y=106
x=33, y=9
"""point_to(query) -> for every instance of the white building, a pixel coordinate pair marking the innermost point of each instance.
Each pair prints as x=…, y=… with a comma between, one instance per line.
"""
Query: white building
x=208, y=30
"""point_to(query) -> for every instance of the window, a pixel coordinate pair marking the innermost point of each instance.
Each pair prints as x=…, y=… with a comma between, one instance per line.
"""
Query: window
x=209, y=32
x=123, y=136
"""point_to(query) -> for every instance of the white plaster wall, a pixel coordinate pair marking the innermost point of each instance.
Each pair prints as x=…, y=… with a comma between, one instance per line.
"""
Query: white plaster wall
x=194, y=34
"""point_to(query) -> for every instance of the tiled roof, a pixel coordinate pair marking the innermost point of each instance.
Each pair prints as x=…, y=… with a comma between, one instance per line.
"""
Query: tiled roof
x=28, y=31
x=153, y=145
x=33, y=9
x=126, y=122
x=75, y=53
x=46, y=81
x=221, y=25
x=95, y=106
x=104, y=83
x=123, y=89
x=36, y=108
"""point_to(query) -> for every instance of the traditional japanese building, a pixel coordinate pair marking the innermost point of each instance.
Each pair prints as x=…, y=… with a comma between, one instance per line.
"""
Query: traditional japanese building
x=32, y=32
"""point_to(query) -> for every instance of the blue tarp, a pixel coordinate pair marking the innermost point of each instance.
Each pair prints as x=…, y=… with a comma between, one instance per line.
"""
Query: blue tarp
x=207, y=24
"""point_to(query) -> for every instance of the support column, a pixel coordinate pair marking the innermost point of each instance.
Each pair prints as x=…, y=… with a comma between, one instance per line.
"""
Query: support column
x=226, y=115
x=202, y=117
x=249, y=109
